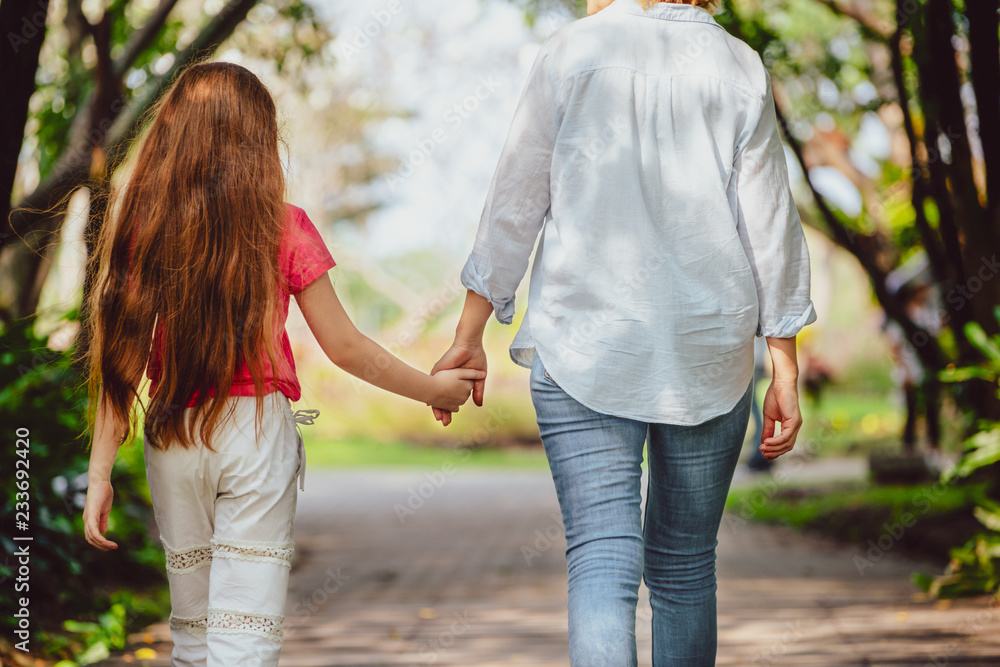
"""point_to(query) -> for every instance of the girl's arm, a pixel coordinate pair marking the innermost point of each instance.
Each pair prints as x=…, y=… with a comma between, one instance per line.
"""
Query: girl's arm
x=103, y=451
x=363, y=358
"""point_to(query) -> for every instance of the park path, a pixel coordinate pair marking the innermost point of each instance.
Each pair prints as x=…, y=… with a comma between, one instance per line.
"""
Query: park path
x=467, y=568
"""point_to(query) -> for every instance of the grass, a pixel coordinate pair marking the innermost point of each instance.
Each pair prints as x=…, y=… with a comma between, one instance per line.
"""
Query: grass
x=923, y=521
x=802, y=508
x=363, y=426
x=849, y=423
x=361, y=452
x=394, y=434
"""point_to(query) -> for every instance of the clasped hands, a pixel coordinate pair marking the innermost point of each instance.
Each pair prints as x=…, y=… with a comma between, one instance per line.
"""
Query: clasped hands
x=469, y=355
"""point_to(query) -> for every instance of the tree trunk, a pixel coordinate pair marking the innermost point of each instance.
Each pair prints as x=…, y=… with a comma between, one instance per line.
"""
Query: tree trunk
x=106, y=124
x=22, y=26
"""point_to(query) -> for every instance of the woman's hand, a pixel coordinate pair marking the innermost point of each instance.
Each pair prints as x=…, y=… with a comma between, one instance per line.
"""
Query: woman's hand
x=95, y=514
x=453, y=387
x=781, y=404
x=463, y=355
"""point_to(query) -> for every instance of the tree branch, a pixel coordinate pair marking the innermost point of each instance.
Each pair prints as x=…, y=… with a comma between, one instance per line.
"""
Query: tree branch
x=17, y=81
x=918, y=171
x=72, y=169
x=929, y=352
x=144, y=37
x=873, y=27
x=985, y=56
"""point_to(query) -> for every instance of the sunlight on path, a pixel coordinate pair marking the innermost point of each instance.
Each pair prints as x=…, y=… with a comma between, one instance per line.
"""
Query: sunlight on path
x=420, y=568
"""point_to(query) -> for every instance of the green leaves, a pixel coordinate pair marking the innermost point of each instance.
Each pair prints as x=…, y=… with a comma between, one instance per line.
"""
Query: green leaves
x=988, y=345
x=982, y=449
x=42, y=391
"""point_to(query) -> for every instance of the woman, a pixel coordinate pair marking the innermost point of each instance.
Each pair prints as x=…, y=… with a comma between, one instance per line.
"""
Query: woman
x=645, y=150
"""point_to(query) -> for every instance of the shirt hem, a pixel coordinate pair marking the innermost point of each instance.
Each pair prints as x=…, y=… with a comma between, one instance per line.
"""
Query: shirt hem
x=639, y=417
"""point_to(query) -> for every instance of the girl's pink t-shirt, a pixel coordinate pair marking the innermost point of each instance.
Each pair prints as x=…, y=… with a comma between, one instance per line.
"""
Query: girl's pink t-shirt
x=302, y=258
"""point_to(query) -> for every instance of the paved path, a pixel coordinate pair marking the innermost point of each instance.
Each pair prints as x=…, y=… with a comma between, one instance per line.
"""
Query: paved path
x=412, y=568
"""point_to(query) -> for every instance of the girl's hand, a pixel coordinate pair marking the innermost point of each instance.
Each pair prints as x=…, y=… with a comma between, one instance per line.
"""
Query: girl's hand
x=95, y=514
x=781, y=404
x=463, y=355
x=452, y=387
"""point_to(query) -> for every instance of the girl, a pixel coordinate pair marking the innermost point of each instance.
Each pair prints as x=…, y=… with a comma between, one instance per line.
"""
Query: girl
x=197, y=260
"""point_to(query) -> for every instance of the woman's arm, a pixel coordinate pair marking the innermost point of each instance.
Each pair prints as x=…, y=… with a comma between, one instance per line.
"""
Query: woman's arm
x=781, y=403
x=467, y=350
x=516, y=205
x=519, y=196
x=363, y=358
x=770, y=229
x=103, y=451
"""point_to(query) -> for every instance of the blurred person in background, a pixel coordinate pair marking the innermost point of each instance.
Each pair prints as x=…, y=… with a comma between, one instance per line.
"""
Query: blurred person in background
x=921, y=391
x=757, y=462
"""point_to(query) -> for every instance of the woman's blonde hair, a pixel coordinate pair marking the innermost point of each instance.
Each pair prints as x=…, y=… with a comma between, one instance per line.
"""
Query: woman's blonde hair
x=713, y=6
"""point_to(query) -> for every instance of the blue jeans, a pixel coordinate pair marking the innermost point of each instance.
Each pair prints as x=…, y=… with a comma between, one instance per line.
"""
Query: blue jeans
x=596, y=465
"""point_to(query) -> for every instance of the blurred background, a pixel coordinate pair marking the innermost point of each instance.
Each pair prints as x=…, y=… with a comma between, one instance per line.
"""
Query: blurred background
x=394, y=114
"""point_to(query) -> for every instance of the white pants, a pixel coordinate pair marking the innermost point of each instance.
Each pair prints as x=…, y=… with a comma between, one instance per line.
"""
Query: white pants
x=225, y=519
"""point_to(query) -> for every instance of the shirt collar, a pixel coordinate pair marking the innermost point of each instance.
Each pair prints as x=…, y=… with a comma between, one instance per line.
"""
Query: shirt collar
x=667, y=11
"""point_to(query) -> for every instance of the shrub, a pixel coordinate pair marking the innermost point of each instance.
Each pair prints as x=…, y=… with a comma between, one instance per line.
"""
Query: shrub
x=42, y=392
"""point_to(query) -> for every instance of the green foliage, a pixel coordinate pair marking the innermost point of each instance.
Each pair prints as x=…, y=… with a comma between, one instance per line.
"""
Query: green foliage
x=42, y=392
x=974, y=569
x=343, y=453
x=814, y=507
x=975, y=566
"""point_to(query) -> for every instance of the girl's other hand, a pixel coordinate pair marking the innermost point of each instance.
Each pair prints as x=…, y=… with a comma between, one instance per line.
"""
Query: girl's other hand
x=452, y=387
x=95, y=514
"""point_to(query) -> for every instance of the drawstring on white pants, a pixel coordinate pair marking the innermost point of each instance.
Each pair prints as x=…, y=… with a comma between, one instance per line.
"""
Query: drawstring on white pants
x=307, y=417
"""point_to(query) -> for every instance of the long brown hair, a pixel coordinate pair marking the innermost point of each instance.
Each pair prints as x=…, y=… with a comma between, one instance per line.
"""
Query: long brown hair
x=189, y=245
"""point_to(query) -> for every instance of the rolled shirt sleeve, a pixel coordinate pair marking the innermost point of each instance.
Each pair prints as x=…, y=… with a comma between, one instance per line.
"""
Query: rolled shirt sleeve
x=519, y=196
x=770, y=230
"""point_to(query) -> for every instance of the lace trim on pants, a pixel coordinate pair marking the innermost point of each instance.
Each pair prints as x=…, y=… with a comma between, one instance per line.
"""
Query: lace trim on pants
x=279, y=553
x=185, y=561
x=196, y=626
x=231, y=621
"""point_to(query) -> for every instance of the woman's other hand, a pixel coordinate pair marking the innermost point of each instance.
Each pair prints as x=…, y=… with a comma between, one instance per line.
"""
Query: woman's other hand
x=781, y=403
